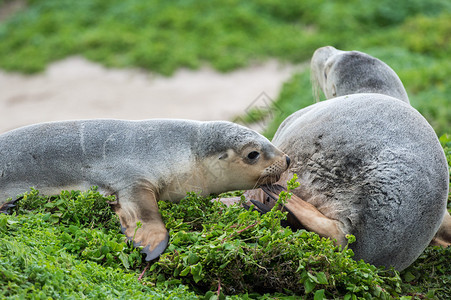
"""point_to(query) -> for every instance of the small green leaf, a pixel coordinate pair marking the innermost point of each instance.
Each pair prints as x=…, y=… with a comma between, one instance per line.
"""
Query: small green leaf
x=408, y=276
x=351, y=238
x=193, y=259
x=312, y=277
x=104, y=249
x=319, y=295
x=210, y=295
x=185, y=271
x=49, y=205
x=431, y=294
x=124, y=260
x=322, y=278
x=309, y=286
x=54, y=219
x=196, y=271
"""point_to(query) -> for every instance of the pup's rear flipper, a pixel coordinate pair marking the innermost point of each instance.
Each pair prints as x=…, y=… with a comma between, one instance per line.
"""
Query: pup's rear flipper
x=155, y=252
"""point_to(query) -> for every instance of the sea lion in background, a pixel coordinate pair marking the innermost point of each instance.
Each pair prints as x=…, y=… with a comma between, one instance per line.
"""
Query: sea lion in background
x=340, y=73
x=140, y=162
x=368, y=164
x=373, y=167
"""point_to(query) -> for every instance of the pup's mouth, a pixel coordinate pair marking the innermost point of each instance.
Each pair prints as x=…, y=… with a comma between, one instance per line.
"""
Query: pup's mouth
x=274, y=172
x=268, y=179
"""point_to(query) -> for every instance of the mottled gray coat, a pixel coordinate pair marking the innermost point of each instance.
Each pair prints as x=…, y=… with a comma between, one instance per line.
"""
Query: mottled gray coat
x=375, y=164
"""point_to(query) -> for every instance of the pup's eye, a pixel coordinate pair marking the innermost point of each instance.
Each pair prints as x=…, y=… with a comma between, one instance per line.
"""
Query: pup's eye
x=253, y=155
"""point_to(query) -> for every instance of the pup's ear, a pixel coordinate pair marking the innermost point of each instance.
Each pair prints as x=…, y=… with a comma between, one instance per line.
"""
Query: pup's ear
x=223, y=155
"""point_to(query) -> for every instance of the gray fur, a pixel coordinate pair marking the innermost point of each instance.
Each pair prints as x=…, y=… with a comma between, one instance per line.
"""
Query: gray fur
x=367, y=159
x=375, y=164
x=341, y=73
x=110, y=153
x=140, y=162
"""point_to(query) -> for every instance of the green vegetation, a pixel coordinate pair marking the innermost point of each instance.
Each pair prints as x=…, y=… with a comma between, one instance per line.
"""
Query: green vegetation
x=70, y=246
x=411, y=36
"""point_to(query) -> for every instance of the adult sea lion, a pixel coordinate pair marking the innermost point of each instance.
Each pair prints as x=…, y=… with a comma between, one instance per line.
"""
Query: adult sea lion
x=340, y=73
x=368, y=164
x=138, y=161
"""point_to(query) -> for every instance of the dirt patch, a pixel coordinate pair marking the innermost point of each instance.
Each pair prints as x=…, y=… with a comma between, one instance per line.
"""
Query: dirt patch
x=75, y=88
x=8, y=8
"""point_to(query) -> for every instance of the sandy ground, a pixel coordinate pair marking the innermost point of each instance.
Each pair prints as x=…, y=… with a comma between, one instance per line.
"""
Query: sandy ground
x=75, y=88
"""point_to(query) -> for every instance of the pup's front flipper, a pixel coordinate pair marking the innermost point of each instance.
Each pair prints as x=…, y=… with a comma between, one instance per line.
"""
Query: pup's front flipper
x=139, y=204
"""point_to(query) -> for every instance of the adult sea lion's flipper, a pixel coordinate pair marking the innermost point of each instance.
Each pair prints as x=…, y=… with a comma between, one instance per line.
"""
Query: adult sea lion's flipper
x=443, y=235
x=302, y=214
x=138, y=204
x=272, y=193
x=265, y=198
x=4, y=208
x=313, y=220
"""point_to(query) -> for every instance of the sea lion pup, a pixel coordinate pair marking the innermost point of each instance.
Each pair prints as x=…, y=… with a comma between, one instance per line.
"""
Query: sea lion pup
x=340, y=73
x=138, y=161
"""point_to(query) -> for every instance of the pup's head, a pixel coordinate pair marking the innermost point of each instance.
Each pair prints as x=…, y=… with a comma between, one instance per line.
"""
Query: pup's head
x=236, y=157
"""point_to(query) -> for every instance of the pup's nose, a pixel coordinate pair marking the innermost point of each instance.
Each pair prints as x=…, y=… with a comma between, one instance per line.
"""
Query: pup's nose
x=288, y=161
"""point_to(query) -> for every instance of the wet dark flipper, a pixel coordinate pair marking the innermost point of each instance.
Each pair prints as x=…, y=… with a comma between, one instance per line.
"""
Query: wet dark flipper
x=8, y=205
x=157, y=251
x=246, y=207
x=273, y=190
x=263, y=208
x=254, y=208
x=265, y=198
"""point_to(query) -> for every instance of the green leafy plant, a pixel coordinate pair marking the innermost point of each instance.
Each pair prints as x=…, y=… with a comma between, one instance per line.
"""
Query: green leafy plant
x=88, y=227
x=237, y=251
x=45, y=253
x=79, y=208
x=70, y=246
x=214, y=251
